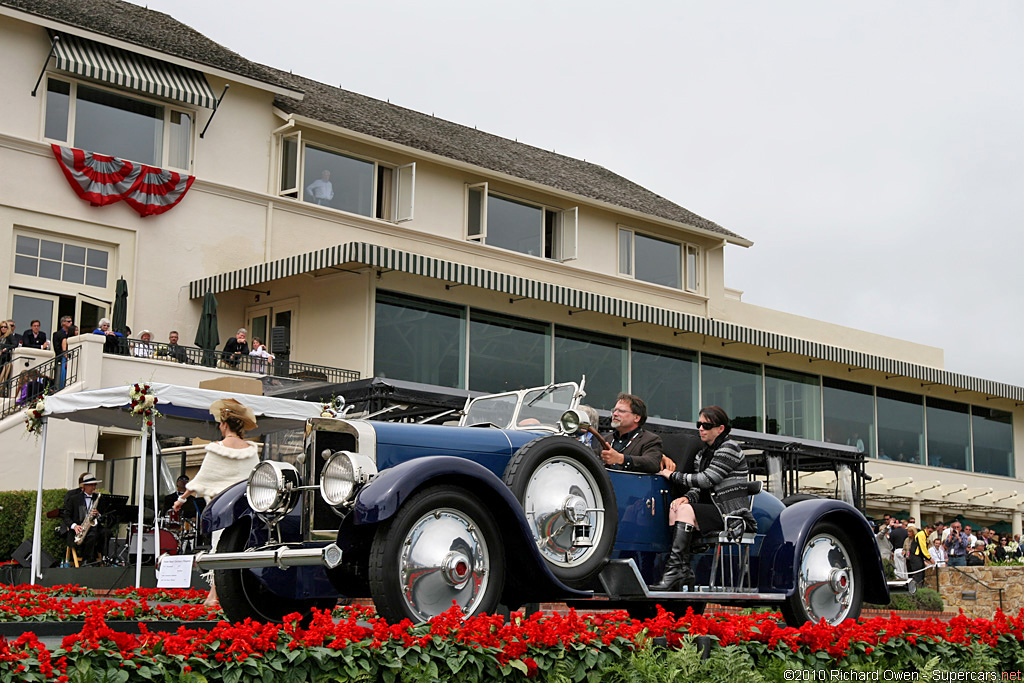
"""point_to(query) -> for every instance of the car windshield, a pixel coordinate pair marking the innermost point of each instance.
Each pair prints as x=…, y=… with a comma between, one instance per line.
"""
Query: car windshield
x=524, y=409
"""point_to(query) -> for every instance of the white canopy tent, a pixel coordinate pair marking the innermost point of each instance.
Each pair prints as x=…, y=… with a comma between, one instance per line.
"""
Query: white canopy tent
x=180, y=409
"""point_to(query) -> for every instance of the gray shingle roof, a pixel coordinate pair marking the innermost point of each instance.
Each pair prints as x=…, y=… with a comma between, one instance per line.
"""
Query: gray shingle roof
x=396, y=124
x=146, y=28
x=157, y=31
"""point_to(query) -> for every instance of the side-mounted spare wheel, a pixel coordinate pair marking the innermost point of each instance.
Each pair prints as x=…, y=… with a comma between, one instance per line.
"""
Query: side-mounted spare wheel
x=442, y=546
x=242, y=595
x=569, y=504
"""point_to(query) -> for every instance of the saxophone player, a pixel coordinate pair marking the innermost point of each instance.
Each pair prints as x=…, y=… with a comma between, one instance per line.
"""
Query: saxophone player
x=78, y=507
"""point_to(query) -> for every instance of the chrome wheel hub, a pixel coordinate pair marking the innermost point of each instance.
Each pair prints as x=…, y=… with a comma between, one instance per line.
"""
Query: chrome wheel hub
x=560, y=497
x=825, y=581
x=444, y=559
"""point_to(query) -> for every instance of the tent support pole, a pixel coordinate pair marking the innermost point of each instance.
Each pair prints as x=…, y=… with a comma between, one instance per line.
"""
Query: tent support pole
x=37, y=528
x=141, y=500
x=156, y=501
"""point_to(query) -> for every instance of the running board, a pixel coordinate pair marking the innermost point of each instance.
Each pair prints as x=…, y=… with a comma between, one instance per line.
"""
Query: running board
x=621, y=580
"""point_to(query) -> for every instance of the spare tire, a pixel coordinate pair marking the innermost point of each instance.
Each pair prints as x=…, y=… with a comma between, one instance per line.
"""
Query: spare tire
x=560, y=482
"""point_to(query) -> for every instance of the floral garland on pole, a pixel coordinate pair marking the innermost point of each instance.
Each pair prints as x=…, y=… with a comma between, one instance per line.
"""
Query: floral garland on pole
x=34, y=418
x=144, y=405
x=333, y=407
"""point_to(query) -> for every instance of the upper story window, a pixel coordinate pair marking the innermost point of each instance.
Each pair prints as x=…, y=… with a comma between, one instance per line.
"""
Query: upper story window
x=323, y=176
x=519, y=225
x=108, y=122
x=659, y=261
x=60, y=260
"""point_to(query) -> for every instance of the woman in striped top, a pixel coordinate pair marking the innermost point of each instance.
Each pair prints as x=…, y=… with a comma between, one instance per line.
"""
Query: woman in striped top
x=717, y=487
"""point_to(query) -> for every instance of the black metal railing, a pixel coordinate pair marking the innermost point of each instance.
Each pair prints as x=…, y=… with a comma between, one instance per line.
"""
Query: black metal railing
x=18, y=392
x=240, y=362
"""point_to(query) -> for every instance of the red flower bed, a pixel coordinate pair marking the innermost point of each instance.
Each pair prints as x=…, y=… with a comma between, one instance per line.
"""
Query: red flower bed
x=483, y=647
x=68, y=603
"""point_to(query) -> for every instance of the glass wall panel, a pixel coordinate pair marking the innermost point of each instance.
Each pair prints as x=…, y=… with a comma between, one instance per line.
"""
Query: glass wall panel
x=792, y=403
x=949, y=434
x=900, y=426
x=849, y=414
x=419, y=340
x=993, y=441
x=626, y=252
x=181, y=138
x=109, y=123
x=58, y=102
x=666, y=379
x=515, y=226
x=734, y=386
x=507, y=353
x=339, y=181
x=601, y=358
x=658, y=261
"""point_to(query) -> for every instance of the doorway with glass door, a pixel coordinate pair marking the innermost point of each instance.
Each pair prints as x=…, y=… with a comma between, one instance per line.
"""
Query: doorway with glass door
x=272, y=324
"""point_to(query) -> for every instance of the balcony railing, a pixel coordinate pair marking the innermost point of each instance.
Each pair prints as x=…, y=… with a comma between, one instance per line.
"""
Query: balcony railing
x=190, y=355
x=22, y=390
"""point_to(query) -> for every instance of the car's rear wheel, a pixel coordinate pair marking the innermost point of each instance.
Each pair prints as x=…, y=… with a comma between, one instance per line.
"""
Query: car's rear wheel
x=441, y=547
x=563, y=487
x=829, y=580
x=242, y=595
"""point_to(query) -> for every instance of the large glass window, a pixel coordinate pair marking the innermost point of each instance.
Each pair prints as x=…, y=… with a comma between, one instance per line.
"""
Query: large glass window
x=792, y=403
x=601, y=358
x=900, y=426
x=949, y=434
x=657, y=260
x=507, y=353
x=339, y=181
x=108, y=122
x=419, y=340
x=993, y=441
x=666, y=378
x=515, y=226
x=55, y=260
x=734, y=386
x=849, y=414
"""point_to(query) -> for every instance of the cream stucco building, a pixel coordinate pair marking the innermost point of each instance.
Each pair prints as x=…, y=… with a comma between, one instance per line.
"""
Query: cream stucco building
x=393, y=243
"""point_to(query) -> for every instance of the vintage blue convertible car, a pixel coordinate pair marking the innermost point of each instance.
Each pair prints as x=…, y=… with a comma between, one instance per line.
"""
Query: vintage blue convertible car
x=508, y=509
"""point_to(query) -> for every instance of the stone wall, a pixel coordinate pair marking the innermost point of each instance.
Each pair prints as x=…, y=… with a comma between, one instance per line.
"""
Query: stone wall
x=957, y=587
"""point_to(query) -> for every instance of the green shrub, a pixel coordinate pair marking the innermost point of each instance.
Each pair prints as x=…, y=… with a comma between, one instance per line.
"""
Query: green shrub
x=16, y=521
x=924, y=600
x=53, y=543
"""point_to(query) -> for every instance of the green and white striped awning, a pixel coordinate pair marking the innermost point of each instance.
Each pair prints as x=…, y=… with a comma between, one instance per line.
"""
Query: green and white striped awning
x=129, y=70
x=516, y=286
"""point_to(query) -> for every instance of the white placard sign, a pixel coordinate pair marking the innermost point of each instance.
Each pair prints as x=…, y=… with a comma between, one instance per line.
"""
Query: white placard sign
x=175, y=571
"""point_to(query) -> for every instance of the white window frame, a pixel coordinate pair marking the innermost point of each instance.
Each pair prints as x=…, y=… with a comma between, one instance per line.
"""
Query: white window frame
x=168, y=107
x=62, y=287
x=402, y=205
x=685, y=249
x=565, y=240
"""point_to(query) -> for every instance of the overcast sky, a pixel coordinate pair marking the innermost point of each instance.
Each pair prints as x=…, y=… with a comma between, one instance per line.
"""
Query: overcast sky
x=872, y=150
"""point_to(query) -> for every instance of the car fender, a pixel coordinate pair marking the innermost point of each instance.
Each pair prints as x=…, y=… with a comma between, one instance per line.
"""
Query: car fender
x=226, y=508
x=779, y=551
x=529, y=576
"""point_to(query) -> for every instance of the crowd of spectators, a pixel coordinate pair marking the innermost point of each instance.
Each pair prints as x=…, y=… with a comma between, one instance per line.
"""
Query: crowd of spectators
x=912, y=549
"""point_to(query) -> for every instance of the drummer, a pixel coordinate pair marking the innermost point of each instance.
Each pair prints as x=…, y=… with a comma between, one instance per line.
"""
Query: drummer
x=190, y=511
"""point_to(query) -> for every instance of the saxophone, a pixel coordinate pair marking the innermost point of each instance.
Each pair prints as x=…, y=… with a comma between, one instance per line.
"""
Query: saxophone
x=94, y=512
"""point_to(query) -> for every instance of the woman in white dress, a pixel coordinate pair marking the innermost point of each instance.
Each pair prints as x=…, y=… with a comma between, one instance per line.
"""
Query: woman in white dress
x=227, y=462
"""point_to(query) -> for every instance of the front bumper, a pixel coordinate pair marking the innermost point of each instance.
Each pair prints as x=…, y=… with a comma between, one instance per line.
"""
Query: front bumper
x=281, y=557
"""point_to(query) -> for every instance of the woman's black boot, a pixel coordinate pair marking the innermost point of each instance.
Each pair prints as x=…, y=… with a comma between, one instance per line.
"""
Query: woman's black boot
x=678, y=572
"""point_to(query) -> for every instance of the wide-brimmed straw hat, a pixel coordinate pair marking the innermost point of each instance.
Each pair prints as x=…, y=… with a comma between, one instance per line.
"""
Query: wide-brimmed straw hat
x=229, y=407
x=90, y=479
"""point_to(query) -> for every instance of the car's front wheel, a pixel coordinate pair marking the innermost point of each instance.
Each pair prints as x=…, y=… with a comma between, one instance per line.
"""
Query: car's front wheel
x=242, y=595
x=442, y=547
x=829, y=580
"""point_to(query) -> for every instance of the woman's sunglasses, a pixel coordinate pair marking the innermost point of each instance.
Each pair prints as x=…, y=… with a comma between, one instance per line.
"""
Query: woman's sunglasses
x=707, y=426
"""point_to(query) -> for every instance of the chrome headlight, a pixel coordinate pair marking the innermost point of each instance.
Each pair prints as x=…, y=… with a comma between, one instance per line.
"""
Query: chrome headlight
x=343, y=473
x=573, y=420
x=272, y=487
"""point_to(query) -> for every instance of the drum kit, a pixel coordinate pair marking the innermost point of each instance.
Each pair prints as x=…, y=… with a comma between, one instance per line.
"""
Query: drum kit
x=178, y=536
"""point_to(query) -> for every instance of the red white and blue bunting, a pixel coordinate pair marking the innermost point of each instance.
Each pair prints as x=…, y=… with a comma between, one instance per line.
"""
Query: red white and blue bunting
x=100, y=180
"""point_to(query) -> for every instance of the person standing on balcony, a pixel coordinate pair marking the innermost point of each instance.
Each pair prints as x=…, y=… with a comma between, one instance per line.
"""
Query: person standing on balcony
x=7, y=346
x=174, y=350
x=144, y=347
x=35, y=338
x=60, y=337
x=227, y=462
x=235, y=349
x=112, y=341
x=260, y=355
x=321, y=191
x=14, y=335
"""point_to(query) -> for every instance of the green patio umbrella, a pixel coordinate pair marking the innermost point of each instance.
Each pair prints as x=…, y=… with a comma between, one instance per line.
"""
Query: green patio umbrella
x=207, y=337
x=119, y=317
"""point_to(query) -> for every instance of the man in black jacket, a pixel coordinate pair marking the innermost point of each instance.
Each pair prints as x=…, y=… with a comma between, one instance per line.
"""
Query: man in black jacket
x=35, y=338
x=633, y=448
x=78, y=505
x=237, y=347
